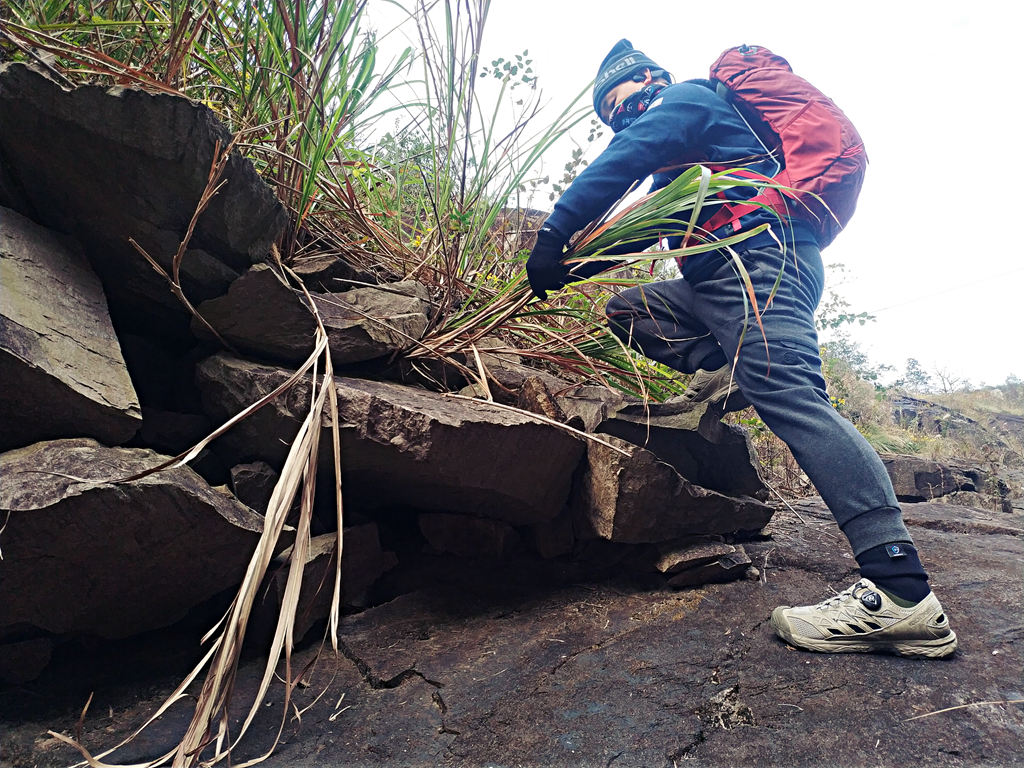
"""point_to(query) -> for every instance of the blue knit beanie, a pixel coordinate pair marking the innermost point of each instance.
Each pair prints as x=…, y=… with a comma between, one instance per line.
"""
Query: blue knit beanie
x=622, y=62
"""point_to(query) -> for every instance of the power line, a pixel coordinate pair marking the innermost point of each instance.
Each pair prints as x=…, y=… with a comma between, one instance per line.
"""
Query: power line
x=952, y=289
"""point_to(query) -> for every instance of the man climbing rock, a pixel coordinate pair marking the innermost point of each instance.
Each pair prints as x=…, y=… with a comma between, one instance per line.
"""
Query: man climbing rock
x=695, y=324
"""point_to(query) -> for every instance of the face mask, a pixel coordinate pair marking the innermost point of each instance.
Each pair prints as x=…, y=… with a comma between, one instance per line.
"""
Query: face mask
x=633, y=106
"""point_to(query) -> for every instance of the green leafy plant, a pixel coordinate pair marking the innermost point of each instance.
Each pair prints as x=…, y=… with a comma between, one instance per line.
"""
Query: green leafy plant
x=291, y=80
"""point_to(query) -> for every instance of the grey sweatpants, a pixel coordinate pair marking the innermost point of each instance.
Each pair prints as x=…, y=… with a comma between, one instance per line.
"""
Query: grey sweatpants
x=699, y=321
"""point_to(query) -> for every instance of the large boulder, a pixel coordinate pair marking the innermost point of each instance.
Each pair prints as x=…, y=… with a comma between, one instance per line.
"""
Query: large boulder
x=254, y=483
x=262, y=316
x=919, y=479
x=694, y=441
x=109, y=164
x=329, y=273
x=404, y=446
x=60, y=362
x=85, y=554
x=937, y=419
x=630, y=496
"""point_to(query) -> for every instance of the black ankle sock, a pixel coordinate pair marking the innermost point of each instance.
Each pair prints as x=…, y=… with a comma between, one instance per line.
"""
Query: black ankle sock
x=897, y=569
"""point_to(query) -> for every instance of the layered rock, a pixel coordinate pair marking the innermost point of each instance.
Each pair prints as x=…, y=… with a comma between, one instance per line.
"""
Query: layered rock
x=701, y=560
x=60, y=361
x=511, y=382
x=262, y=316
x=327, y=273
x=86, y=554
x=917, y=479
x=931, y=417
x=630, y=496
x=590, y=406
x=406, y=446
x=150, y=154
x=693, y=440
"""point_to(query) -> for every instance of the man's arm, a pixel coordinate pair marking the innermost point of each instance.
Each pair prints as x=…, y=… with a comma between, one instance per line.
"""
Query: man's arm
x=666, y=135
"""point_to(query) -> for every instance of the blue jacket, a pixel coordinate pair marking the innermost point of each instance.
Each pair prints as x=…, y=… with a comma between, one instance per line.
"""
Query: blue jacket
x=686, y=123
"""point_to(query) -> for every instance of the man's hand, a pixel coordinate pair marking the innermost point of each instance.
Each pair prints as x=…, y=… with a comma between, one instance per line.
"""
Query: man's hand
x=544, y=268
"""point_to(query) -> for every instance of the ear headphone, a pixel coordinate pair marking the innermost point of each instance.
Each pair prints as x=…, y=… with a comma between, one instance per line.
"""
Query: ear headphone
x=641, y=77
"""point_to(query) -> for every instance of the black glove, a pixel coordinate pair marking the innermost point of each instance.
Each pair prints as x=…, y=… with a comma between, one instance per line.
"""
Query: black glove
x=544, y=268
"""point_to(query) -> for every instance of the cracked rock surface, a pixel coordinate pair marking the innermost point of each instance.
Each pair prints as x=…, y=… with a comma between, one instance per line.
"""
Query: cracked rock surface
x=540, y=665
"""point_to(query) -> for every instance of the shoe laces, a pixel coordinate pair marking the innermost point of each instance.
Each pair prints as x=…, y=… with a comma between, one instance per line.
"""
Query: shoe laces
x=853, y=593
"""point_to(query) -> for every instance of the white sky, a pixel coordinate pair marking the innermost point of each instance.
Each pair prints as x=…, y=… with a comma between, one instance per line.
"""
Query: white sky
x=934, y=90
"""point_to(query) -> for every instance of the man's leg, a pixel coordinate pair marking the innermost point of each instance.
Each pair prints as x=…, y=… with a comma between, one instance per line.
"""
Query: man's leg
x=780, y=374
x=656, y=320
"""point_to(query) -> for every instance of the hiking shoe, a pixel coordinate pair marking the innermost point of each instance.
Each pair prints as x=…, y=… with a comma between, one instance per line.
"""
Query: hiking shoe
x=713, y=387
x=863, y=619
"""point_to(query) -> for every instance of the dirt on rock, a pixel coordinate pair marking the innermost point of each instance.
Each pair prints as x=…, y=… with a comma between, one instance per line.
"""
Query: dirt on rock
x=546, y=665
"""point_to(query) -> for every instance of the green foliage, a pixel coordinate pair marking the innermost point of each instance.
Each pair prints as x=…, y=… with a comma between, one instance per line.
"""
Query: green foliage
x=398, y=175
x=512, y=73
x=291, y=80
x=670, y=211
x=1013, y=391
x=576, y=163
x=851, y=393
x=914, y=378
x=840, y=354
x=834, y=310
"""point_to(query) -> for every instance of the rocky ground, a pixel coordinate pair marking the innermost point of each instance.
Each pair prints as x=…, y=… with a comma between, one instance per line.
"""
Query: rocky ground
x=549, y=633
x=543, y=664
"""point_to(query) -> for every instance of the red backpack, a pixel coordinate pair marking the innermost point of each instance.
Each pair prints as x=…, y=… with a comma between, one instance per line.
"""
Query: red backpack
x=823, y=153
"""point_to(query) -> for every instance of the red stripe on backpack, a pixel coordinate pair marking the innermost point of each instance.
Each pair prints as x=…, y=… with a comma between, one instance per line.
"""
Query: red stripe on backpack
x=823, y=153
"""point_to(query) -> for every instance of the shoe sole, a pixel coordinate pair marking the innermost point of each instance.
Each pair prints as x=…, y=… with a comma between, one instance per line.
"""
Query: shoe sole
x=921, y=649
